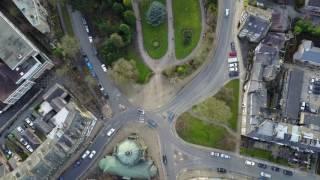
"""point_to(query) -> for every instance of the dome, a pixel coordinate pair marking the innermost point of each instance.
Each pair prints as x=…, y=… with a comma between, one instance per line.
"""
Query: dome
x=128, y=152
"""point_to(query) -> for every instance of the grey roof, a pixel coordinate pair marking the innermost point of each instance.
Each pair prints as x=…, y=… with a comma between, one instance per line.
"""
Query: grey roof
x=7, y=81
x=294, y=93
x=314, y=3
x=307, y=52
x=255, y=28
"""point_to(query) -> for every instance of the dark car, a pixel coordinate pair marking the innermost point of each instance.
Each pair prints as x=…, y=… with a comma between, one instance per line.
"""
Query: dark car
x=263, y=166
x=76, y=164
x=221, y=170
x=152, y=123
x=164, y=159
x=233, y=46
x=276, y=169
x=287, y=172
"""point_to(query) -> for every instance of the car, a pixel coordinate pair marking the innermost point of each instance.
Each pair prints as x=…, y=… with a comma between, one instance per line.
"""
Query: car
x=85, y=154
x=92, y=154
x=104, y=68
x=171, y=116
x=233, y=47
x=274, y=168
x=86, y=28
x=100, y=87
x=287, y=172
x=152, y=123
x=110, y=132
x=77, y=163
x=84, y=22
x=216, y=154
x=29, y=122
x=263, y=166
x=29, y=148
x=231, y=65
x=164, y=159
x=232, y=54
x=231, y=69
x=221, y=170
x=263, y=174
x=141, y=117
x=249, y=163
x=227, y=12
x=225, y=156
x=19, y=129
x=90, y=39
x=23, y=142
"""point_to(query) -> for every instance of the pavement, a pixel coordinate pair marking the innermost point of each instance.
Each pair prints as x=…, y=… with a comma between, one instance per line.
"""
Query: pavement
x=209, y=80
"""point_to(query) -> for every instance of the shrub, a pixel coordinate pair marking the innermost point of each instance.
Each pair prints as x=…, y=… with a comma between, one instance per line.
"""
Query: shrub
x=156, y=13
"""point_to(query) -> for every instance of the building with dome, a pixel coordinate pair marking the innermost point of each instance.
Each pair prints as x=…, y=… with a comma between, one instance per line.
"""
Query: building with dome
x=129, y=160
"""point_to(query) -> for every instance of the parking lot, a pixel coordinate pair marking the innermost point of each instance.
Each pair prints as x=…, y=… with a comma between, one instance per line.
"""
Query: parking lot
x=311, y=89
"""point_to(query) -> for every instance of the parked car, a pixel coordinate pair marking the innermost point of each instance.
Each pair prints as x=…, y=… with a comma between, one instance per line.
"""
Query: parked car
x=225, y=156
x=100, y=87
x=19, y=129
x=110, y=132
x=86, y=28
x=164, y=159
x=274, y=168
x=221, y=170
x=84, y=22
x=249, y=163
x=92, y=154
x=29, y=148
x=23, y=142
x=263, y=166
x=90, y=39
x=216, y=154
x=141, y=111
x=233, y=54
x=287, y=172
x=77, y=163
x=104, y=68
x=233, y=47
x=227, y=12
x=29, y=122
x=85, y=154
x=263, y=174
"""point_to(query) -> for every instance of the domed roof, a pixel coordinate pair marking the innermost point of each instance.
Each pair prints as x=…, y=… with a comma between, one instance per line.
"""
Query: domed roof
x=128, y=152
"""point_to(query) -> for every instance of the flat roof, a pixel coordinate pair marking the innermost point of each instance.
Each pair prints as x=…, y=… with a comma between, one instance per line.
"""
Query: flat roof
x=294, y=93
x=314, y=3
x=14, y=45
x=7, y=81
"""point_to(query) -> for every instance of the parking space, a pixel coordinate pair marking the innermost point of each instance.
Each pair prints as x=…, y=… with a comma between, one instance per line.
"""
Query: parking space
x=310, y=96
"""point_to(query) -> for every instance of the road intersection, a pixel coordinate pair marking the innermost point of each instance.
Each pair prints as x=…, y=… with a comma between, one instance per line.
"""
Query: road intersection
x=206, y=83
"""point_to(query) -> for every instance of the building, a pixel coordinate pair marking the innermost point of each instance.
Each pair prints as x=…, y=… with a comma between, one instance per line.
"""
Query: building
x=313, y=7
x=254, y=28
x=129, y=160
x=307, y=54
x=20, y=64
x=35, y=13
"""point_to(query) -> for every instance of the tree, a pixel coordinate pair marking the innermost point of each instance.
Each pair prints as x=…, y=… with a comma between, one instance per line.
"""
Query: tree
x=156, y=13
x=129, y=17
x=117, y=7
x=299, y=3
x=125, y=32
x=127, y=3
x=109, y=52
x=69, y=45
x=117, y=40
x=124, y=71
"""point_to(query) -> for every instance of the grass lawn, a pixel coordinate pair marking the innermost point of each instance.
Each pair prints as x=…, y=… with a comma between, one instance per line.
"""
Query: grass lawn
x=66, y=19
x=187, y=16
x=223, y=107
x=263, y=154
x=144, y=71
x=198, y=132
x=152, y=34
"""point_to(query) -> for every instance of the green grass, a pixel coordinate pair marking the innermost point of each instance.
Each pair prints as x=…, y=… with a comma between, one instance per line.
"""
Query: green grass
x=66, y=19
x=198, y=132
x=144, y=71
x=234, y=85
x=187, y=15
x=263, y=154
x=152, y=34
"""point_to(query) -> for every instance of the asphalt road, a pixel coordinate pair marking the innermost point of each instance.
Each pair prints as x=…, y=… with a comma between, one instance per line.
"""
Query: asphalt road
x=207, y=82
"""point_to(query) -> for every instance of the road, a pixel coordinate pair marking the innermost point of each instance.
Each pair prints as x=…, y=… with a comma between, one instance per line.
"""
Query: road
x=207, y=82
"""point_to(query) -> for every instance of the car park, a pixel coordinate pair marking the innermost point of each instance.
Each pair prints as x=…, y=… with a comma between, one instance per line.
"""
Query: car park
x=104, y=68
x=263, y=174
x=249, y=163
x=263, y=166
x=93, y=152
x=287, y=172
x=85, y=154
x=19, y=129
x=221, y=170
x=110, y=132
x=225, y=156
x=274, y=168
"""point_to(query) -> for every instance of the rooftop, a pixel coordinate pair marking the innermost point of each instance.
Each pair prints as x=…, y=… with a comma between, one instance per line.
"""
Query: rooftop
x=15, y=47
x=314, y=3
x=255, y=28
x=308, y=52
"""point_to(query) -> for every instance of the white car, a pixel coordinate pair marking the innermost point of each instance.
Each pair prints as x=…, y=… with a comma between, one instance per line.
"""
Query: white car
x=90, y=39
x=141, y=111
x=92, y=154
x=29, y=148
x=29, y=122
x=263, y=174
x=225, y=156
x=24, y=142
x=249, y=163
x=19, y=129
x=87, y=29
x=216, y=154
x=85, y=154
x=110, y=132
x=104, y=68
x=231, y=65
x=227, y=12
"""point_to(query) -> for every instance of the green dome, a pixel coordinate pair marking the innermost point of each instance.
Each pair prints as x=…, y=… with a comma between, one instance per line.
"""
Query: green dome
x=128, y=152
